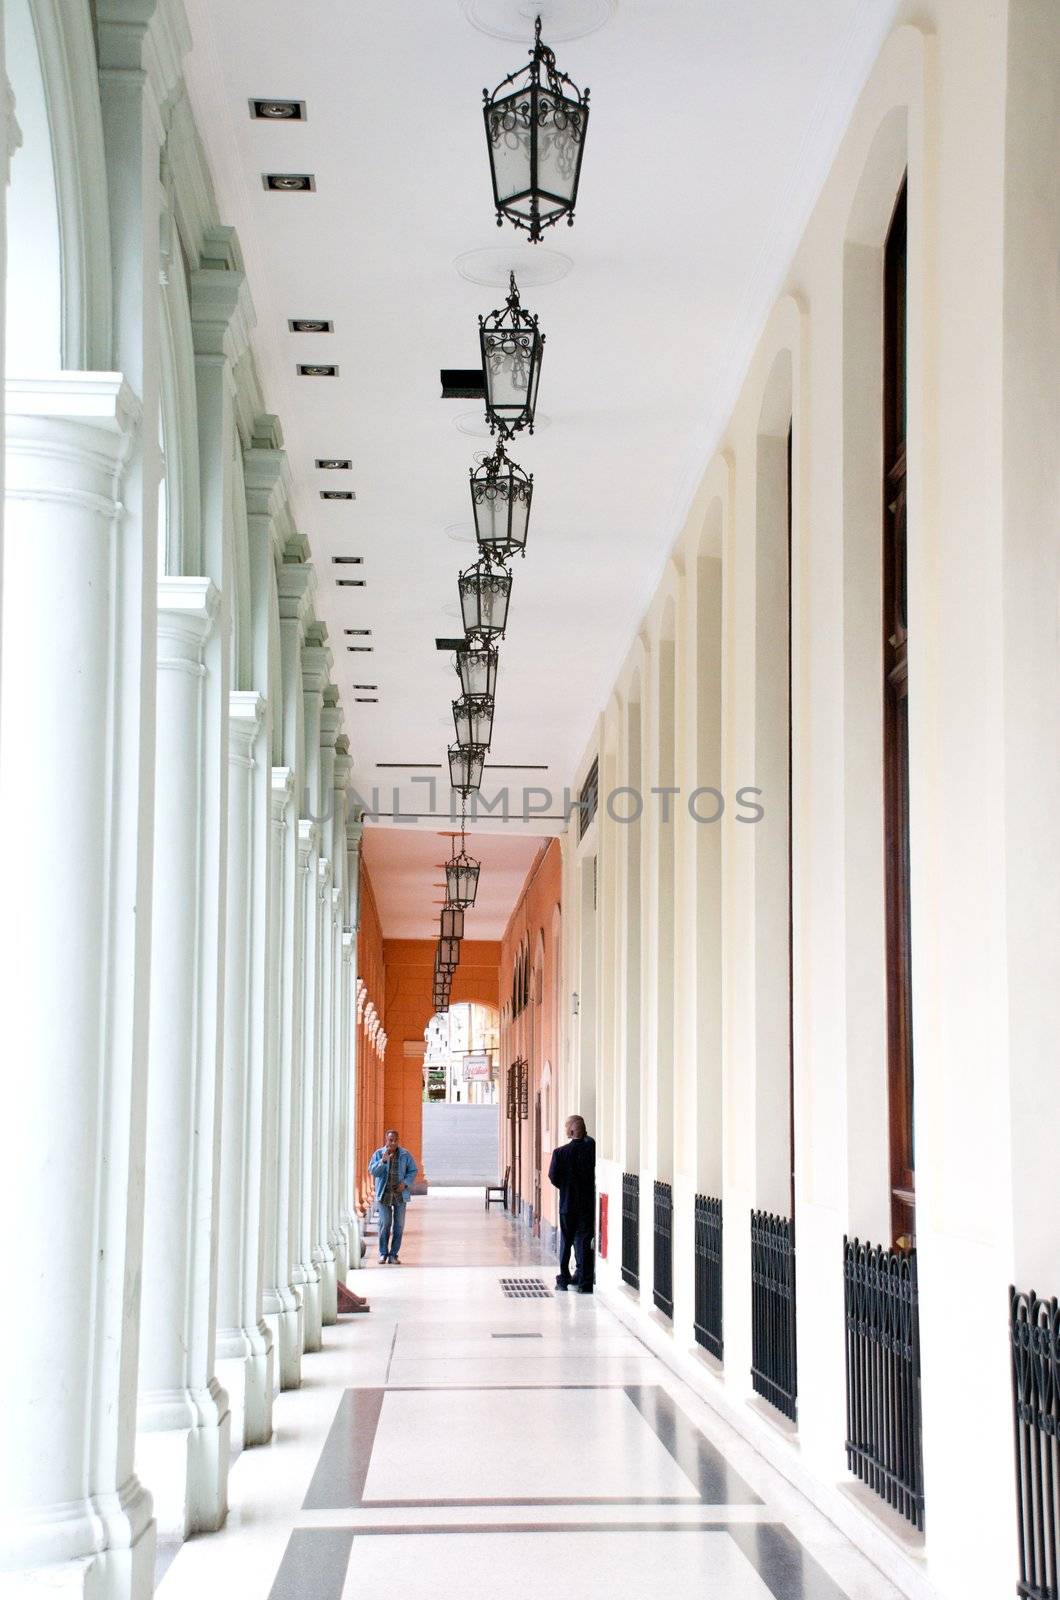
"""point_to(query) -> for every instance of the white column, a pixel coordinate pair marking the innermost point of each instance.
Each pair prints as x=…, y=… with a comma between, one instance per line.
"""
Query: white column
x=281, y=1301
x=295, y=584
x=347, y=1213
x=183, y=1445
x=244, y=1342
x=330, y=725
x=307, y=1273
x=72, y=976
x=328, y=1265
x=351, y=1063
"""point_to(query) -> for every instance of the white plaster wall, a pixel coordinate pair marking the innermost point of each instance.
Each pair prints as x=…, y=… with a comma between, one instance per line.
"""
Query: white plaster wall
x=966, y=98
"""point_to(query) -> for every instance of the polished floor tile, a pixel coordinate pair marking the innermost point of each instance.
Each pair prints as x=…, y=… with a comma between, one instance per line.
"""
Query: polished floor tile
x=457, y=1433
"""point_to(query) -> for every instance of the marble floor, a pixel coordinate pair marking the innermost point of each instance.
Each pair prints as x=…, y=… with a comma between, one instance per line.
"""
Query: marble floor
x=462, y=1443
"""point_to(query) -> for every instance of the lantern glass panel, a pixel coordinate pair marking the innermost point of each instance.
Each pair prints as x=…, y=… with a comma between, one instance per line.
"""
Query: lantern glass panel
x=508, y=131
x=478, y=671
x=452, y=922
x=511, y=363
x=449, y=952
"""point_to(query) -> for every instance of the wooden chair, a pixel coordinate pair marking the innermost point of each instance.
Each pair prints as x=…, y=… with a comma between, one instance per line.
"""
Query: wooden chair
x=497, y=1193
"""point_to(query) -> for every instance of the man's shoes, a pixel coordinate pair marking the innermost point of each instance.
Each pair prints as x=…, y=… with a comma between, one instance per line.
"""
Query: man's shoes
x=585, y=1288
x=562, y=1283
x=384, y=1261
x=395, y=1261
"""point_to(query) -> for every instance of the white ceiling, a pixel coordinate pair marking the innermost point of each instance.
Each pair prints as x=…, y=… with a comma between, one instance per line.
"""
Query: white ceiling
x=712, y=125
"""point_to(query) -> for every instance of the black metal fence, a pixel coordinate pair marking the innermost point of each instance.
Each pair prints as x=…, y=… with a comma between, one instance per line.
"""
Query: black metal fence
x=1034, y=1327
x=883, y=1375
x=663, y=1233
x=773, y=1364
x=631, y=1228
x=708, y=1275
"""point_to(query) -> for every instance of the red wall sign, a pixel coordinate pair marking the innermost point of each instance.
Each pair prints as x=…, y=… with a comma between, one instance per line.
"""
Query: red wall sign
x=601, y=1236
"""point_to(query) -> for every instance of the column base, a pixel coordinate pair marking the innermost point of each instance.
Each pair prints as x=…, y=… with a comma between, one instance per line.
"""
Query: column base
x=283, y=1314
x=329, y=1294
x=307, y=1280
x=340, y=1246
x=352, y=1224
x=186, y=1466
x=124, y=1569
x=245, y=1365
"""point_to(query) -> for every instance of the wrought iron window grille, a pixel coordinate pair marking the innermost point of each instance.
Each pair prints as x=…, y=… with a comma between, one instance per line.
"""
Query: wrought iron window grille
x=883, y=1442
x=1034, y=1333
x=708, y=1275
x=774, y=1366
x=631, y=1229
x=663, y=1237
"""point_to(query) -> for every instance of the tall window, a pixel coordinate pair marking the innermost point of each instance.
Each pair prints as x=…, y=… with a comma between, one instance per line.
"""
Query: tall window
x=896, y=737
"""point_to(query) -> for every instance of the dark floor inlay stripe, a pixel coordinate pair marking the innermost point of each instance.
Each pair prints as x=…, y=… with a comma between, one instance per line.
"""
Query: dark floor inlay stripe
x=342, y=1470
x=315, y=1564
x=516, y=1336
x=785, y=1568
x=718, y=1483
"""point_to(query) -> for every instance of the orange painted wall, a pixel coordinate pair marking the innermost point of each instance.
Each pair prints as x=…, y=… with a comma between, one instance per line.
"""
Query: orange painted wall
x=409, y=967
x=371, y=1017
x=531, y=948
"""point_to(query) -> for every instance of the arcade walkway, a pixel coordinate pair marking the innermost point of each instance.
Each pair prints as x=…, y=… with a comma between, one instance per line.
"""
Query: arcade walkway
x=498, y=1444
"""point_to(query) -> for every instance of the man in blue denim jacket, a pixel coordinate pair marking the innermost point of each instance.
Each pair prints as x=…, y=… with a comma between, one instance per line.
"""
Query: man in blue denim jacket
x=393, y=1170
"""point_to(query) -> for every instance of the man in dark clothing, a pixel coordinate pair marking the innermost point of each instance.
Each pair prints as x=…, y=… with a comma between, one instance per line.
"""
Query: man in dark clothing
x=572, y=1171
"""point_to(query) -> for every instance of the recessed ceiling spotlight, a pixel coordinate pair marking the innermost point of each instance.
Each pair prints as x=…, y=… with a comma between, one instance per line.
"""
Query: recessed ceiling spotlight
x=278, y=110
x=365, y=686
x=338, y=494
x=332, y=464
x=289, y=182
x=310, y=325
x=351, y=583
x=360, y=649
x=366, y=700
x=362, y=633
x=348, y=561
x=313, y=370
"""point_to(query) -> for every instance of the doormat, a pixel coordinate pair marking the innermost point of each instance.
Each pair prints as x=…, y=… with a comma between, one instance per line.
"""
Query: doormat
x=526, y=1289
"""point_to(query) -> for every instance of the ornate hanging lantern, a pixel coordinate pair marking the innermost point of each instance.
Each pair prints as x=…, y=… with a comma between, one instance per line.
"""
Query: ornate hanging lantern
x=535, y=133
x=473, y=717
x=449, y=954
x=500, y=499
x=461, y=877
x=484, y=594
x=477, y=669
x=444, y=969
x=452, y=921
x=512, y=347
x=465, y=768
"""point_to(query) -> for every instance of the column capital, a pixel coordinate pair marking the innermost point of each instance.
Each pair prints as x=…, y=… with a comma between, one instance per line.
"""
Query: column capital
x=187, y=611
x=282, y=791
x=317, y=661
x=91, y=410
x=308, y=839
x=221, y=313
x=296, y=583
x=246, y=708
x=331, y=719
x=343, y=768
x=349, y=944
x=354, y=832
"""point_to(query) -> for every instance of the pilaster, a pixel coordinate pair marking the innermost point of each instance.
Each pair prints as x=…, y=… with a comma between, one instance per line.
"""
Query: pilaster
x=244, y=1342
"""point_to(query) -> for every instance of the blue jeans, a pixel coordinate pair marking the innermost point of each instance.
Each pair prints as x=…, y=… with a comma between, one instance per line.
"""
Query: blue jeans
x=391, y=1227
